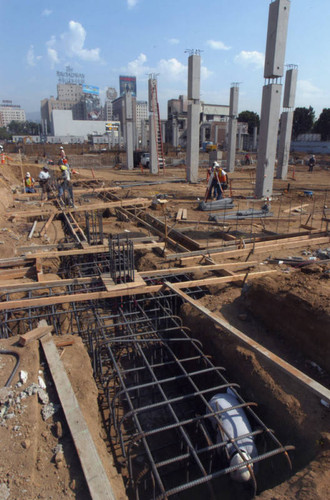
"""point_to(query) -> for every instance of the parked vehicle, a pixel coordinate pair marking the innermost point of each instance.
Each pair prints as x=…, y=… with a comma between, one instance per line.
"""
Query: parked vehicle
x=145, y=160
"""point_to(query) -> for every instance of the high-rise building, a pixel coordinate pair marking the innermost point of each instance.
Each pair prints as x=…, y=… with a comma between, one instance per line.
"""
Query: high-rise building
x=141, y=115
x=10, y=112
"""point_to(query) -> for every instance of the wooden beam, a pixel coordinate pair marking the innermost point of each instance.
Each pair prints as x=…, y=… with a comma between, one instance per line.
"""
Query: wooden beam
x=191, y=269
x=258, y=249
x=36, y=333
x=33, y=285
x=95, y=475
x=119, y=291
x=9, y=274
x=83, y=208
x=179, y=214
x=300, y=377
x=46, y=226
x=89, y=250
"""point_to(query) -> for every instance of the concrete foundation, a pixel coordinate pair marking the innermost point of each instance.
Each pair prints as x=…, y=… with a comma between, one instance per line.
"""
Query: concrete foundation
x=270, y=111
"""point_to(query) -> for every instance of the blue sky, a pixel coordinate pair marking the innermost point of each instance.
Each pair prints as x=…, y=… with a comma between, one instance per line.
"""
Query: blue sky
x=106, y=38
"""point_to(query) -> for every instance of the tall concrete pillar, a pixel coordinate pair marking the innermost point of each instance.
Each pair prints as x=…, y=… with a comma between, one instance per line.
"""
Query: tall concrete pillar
x=286, y=122
x=232, y=127
x=175, y=133
x=129, y=136
x=255, y=138
x=144, y=134
x=152, y=87
x=194, y=71
x=271, y=97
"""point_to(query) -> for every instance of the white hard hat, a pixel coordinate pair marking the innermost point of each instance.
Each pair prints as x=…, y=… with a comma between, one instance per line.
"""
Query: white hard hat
x=216, y=164
x=61, y=147
x=243, y=474
x=28, y=174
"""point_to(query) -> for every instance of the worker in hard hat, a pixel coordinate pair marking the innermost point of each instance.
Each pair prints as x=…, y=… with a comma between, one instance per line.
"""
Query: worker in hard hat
x=29, y=183
x=62, y=152
x=311, y=163
x=44, y=182
x=65, y=185
x=229, y=425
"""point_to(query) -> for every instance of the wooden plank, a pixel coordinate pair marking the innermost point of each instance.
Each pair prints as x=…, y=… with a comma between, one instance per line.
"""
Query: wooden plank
x=95, y=475
x=15, y=261
x=258, y=249
x=179, y=214
x=8, y=274
x=184, y=214
x=89, y=250
x=89, y=207
x=33, y=285
x=32, y=230
x=46, y=226
x=300, y=377
x=119, y=291
x=288, y=210
x=36, y=333
x=212, y=267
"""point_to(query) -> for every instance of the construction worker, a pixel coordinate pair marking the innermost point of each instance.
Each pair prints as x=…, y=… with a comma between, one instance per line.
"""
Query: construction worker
x=29, y=183
x=62, y=152
x=44, y=182
x=234, y=423
x=65, y=184
x=311, y=163
x=211, y=173
x=220, y=181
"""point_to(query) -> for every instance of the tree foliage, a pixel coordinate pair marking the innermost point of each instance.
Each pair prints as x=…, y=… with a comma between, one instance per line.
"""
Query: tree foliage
x=322, y=125
x=303, y=121
x=251, y=118
x=4, y=134
x=23, y=128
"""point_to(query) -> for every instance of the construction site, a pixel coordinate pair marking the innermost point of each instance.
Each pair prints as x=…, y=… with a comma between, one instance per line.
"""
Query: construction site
x=155, y=342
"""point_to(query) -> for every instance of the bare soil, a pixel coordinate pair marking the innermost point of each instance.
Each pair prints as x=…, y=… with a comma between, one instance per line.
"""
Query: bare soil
x=288, y=313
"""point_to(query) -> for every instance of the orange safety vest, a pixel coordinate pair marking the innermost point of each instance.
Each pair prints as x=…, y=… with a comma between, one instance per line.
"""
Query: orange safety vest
x=28, y=182
x=222, y=177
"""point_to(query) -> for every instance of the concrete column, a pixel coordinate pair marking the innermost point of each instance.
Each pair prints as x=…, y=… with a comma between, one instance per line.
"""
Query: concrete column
x=255, y=138
x=270, y=111
x=232, y=127
x=144, y=134
x=284, y=144
x=152, y=145
x=175, y=133
x=194, y=70
x=129, y=136
x=286, y=122
x=271, y=97
x=203, y=130
x=216, y=134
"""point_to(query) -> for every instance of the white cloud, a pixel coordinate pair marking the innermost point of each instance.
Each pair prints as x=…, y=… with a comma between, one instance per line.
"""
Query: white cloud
x=205, y=73
x=52, y=52
x=252, y=58
x=172, y=69
x=307, y=90
x=71, y=44
x=31, y=58
x=46, y=12
x=217, y=45
x=74, y=41
x=173, y=41
x=138, y=67
x=131, y=3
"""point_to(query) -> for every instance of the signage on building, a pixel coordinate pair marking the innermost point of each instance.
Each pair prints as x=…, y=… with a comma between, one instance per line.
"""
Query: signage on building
x=68, y=76
x=90, y=89
x=127, y=84
x=112, y=126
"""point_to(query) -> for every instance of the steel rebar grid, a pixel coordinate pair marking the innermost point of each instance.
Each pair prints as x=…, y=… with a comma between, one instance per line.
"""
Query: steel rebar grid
x=121, y=253
x=94, y=227
x=141, y=347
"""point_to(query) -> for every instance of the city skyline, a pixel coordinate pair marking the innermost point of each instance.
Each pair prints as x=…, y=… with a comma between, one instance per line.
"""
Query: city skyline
x=139, y=37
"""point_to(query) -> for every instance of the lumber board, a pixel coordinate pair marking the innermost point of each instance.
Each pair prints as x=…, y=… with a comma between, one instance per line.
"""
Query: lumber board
x=35, y=334
x=46, y=226
x=8, y=274
x=258, y=249
x=15, y=261
x=33, y=285
x=124, y=290
x=179, y=214
x=288, y=210
x=88, y=250
x=88, y=207
x=184, y=214
x=25, y=196
x=190, y=269
x=318, y=389
x=95, y=475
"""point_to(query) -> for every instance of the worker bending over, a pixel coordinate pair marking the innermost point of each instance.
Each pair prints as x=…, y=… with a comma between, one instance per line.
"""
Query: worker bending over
x=234, y=423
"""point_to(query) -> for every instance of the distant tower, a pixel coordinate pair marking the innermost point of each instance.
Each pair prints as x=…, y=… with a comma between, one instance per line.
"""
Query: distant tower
x=271, y=97
x=232, y=126
x=287, y=121
x=194, y=76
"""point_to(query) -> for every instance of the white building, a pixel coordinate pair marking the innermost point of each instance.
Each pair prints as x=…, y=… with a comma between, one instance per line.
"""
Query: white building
x=10, y=112
x=141, y=115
